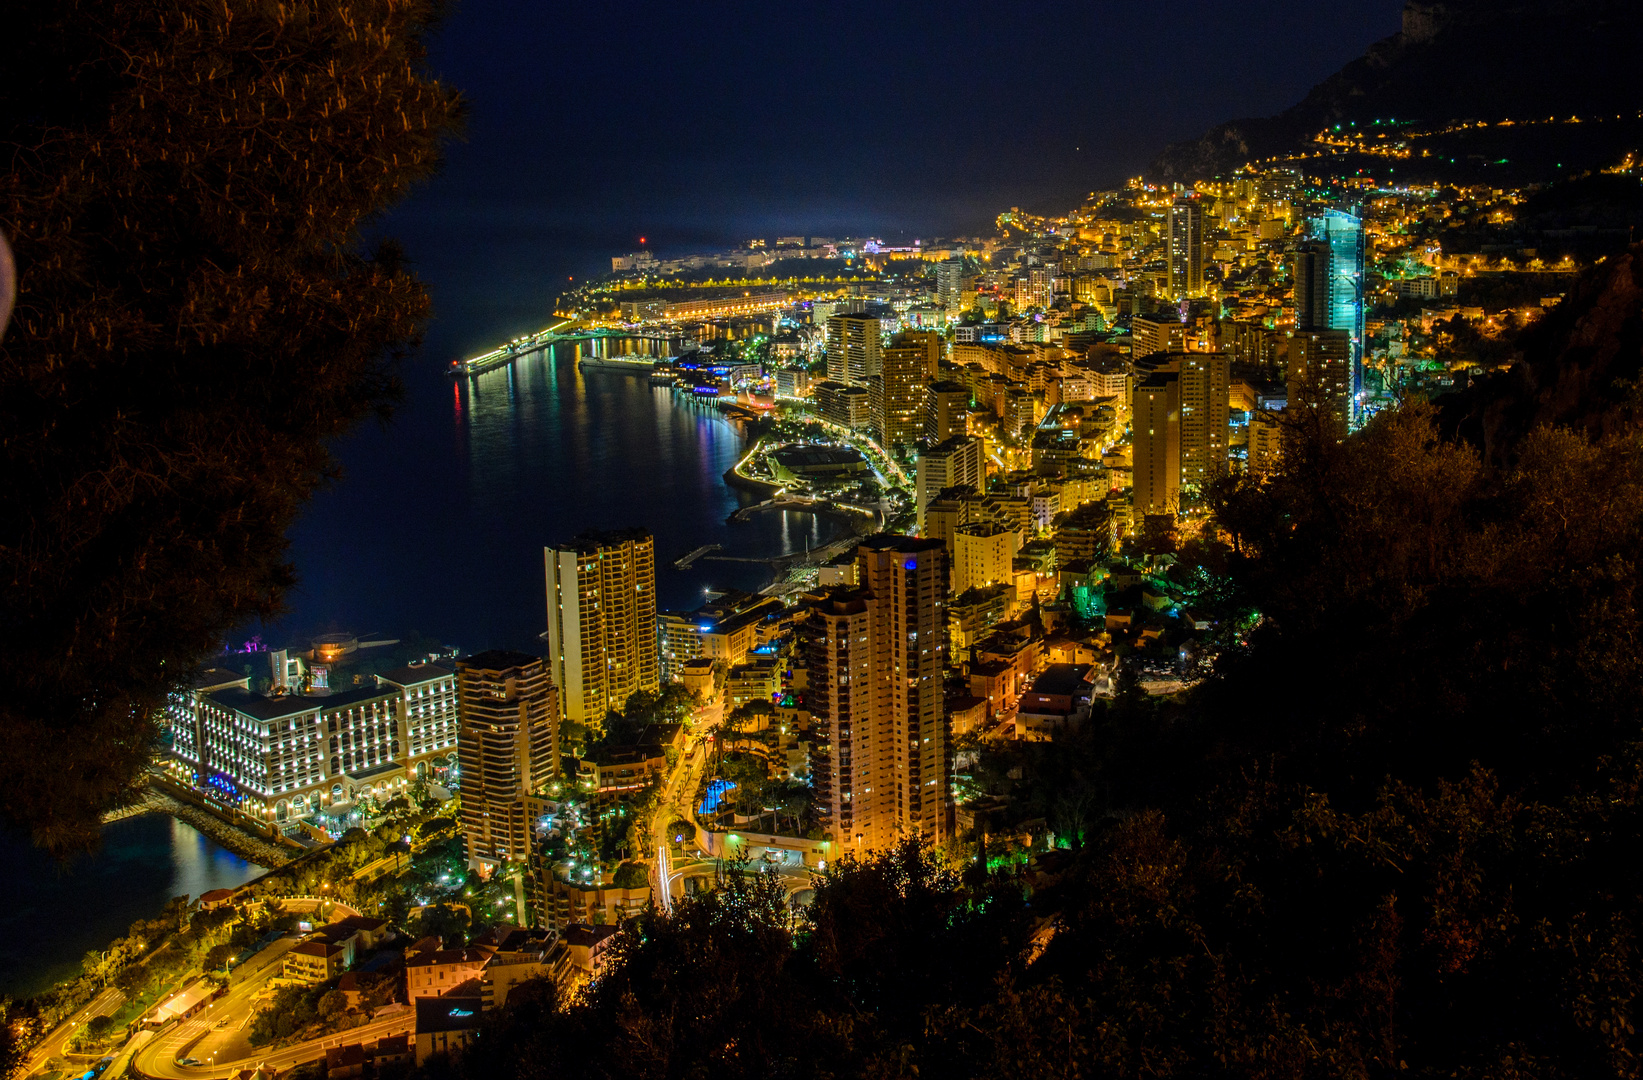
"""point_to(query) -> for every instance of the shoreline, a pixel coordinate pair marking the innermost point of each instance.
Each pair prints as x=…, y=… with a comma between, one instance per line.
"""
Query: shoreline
x=236, y=841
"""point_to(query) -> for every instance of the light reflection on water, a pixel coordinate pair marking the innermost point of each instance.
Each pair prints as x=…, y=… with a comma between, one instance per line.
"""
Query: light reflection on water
x=440, y=523
x=55, y=914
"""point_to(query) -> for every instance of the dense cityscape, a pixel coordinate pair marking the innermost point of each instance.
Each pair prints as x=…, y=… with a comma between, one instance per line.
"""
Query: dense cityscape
x=1224, y=662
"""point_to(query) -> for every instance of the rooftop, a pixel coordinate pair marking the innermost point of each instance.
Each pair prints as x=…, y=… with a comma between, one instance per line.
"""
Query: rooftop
x=212, y=678
x=815, y=457
x=448, y=1013
x=1060, y=680
x=415, y=674
x=497, y=660
x=260, y=707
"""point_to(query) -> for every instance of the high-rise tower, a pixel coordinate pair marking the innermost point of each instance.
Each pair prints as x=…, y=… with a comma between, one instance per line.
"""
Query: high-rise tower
x=1155, y=426
x=602, y=621
x=1205, y=417
x=853, y=347
x=508, y=747
x=876, y=658
x=907, y=366
x=956, y=461
x=1186, y=248
x=1338, y=236
x=950, y=283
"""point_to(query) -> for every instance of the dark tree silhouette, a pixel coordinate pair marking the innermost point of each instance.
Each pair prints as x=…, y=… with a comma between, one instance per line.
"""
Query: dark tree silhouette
x=184, y=187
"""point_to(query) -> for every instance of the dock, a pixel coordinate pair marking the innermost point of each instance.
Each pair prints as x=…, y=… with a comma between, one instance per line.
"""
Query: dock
x=685, y=563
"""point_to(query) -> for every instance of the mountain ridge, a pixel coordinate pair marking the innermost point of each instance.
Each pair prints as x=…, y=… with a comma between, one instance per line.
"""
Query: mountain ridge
x=1453, y=60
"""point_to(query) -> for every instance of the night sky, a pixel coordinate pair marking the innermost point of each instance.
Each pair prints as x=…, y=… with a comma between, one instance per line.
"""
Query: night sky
x=700, y=124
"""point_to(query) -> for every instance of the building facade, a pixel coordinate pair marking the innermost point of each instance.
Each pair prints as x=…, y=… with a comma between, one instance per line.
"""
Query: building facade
x=845, y=405
x=853, y=347
x=509, y=748
x=876, y=655
x=946, y=411
x=1186, y=248
x=957, y=461
x=602, y=621
x=288, y=756
x=1156, y=438
x=1206, y=381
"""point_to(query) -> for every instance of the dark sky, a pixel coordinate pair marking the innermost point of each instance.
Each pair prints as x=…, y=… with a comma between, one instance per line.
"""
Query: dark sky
x=698, y=123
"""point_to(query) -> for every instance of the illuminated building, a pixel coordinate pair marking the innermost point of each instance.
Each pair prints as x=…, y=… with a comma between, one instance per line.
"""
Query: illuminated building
x=1156, y=435
x=1320, y=376
x=288, y=755
x=1338, y=236
x=1034, y=288
x=601, y=590
x=845, y=405
x=881, y=768
x=853, y=347
x=428, y=718
x=1186, y=248
x=946, y=410
x=958, y=460
x=907, y=366
x=726, y=630
x=950, y=283
x=1150, y=335
x=792, y=383
x=284, y=757
x=1309, y=272
x=509, y=747
x=1265, y=443
x=1205, y=417
x=983, y=554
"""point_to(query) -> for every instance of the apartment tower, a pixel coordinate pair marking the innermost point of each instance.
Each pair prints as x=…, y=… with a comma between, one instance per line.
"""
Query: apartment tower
x=853, y=347
x=602, y=621
x=882, y=771
x=1186, y=248
x=508, y=748
x=948, y=464
x=1155, y=427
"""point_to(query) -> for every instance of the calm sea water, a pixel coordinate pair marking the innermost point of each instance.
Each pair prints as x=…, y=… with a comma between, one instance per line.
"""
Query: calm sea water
x=440, y=521
x=55, y=913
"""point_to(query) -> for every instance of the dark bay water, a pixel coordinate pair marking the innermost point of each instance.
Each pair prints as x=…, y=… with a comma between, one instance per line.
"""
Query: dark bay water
x=55, y=913
x=439, y=524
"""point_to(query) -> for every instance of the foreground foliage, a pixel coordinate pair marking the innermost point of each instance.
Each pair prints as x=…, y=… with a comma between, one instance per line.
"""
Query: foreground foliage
x=183, y=184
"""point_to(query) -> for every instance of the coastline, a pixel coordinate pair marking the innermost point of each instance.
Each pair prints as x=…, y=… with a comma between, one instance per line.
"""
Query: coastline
x=252, y=849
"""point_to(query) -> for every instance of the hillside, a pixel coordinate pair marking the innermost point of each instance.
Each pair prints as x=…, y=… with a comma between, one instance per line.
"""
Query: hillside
x=1488, y=60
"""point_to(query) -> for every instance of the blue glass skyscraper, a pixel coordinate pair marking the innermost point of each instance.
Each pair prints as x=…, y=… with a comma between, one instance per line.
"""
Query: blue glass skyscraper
x=1342, y=231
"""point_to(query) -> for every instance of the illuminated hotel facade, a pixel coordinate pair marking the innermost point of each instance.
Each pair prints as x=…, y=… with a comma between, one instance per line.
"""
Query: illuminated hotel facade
x=283, y=757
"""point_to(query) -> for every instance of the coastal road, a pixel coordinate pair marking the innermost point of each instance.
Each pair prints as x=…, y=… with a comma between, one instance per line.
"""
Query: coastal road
x=158, y=1060
x=55, y=1044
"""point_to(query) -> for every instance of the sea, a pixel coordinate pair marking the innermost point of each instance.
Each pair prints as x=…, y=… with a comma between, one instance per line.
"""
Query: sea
x=56, y=912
